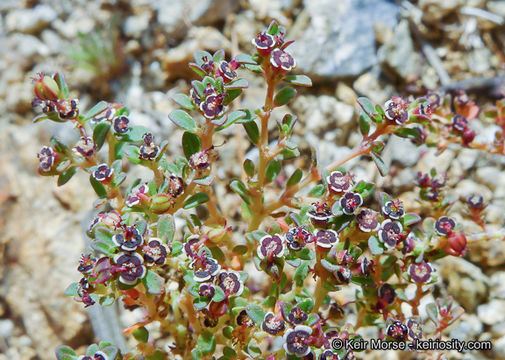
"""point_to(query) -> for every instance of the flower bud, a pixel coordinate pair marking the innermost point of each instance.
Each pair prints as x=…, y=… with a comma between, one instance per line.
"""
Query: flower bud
x=456, y=244
x=161, y=203
x=468, y=136
x=45, y=87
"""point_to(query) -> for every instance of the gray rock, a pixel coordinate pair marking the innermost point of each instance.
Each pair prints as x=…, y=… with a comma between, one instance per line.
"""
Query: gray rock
x=30, y=20
x=135, y=25
x=52, y=41
x=323, y=113
x=498, y=285
x=175, y=61
x=6, y=327
x=499, y=348
x=10, y=5
x=466, y=158
x=371, y=86
x=497, y=7
x=467, y=328
x=465, y=282
x=271, y=9
x=492, y=313
x=402, y=151
x=336, y=38
x=78, y=22
x=175, y=16
x=398, y=56
x=28, y=46
x=491, y=176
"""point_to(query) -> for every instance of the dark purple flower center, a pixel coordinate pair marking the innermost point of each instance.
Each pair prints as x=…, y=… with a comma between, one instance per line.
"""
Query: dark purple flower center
x=120, y=124
x=445, y=225
x=273, y=324
x=297, y=316
x=420, y=272
x=296, y=342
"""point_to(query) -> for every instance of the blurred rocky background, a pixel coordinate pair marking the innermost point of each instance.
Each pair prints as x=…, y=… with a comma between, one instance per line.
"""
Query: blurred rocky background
x=136, y=52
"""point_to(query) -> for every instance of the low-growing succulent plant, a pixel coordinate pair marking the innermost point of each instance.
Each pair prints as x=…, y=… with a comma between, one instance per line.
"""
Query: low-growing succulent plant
x=318, y=230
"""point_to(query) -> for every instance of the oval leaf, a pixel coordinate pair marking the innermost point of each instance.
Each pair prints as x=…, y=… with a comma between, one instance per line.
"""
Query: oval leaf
x=196, y=200
x=284, y=96
x=183, y=120
x=191, y=144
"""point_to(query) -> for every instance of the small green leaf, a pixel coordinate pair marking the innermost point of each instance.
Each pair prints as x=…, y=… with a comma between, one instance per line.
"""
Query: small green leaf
x=141, y=334
x=183, y=101
x=219, y=294
x=195, y=200
x=367, y=106
x=249, y=167
x=231, y=95
x=65, y=353
x=205, y=181
x=252, y=131
x=60, y=147
x=409, y=133
x=92, y=349
x=218, y=56
x=301, y=273
x=100, y=133
x=273, y=28
x=410, y=219
x=375, y=246
x=317, y=191
x=383, y=170
x=96, y=110
x=273, y=169
x=197, y=69
x=157, y=355
x=287, y=154
x=239, y=187
x=378, y=146
x=103, y=234
x=364, y=188
x=432, y=311
x=176, y=248
x=72, y=289
x=384, y=199
x=237, y=84
x=284, y=96
x=153, y=282
x=245, y=59
x=102, y=247
x=191, y=144
x=295, y=177
x=306, y=305
x=256, y=313
x=98, y=187
x=362, y=280
x=136, y=133
x=62, y=85
x=183, y=120
x=364, y=123
x=232, y=118
x=201, y=57
x=229, y=352
x=66, y=175
x=206, y=343
x=300, y=80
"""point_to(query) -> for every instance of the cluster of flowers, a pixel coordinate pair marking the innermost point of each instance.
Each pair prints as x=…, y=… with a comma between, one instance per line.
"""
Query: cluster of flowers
x=210, y=278
x=132, y=252
x=270, y=44
x=336, y=239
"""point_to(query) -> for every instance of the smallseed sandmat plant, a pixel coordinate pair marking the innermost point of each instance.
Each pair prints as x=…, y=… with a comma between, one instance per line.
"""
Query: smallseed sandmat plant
x=310, y=232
